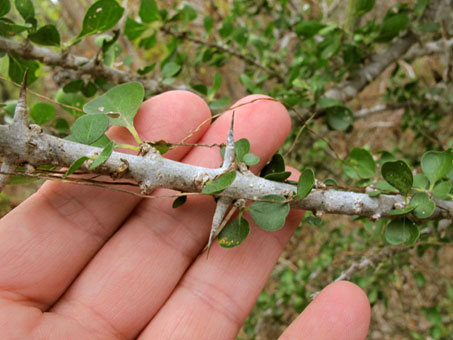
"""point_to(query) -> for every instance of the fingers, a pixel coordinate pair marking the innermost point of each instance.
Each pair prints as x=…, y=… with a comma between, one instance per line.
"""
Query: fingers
x=341, y=312
x=222, y=290
x=133, y=275
x=49, y=239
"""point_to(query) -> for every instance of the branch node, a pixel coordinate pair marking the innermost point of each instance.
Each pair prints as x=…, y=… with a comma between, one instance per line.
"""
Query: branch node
x=35, y=129
x=122, y=169
x=147, y=187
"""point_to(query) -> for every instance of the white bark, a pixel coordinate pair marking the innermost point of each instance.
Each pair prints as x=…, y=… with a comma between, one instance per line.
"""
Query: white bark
x=153, y=171
x=82, y=65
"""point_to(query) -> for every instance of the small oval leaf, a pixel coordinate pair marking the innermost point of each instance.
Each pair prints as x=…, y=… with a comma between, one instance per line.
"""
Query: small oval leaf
x=398, y=175
x=306, y=183
x=401, y=231
x=46, y=35
x=219, y=184
x=75, y=166
x=241, y=148
x=100, y=17
x=234, y=233
x=251, y=159
x=179, y=201
x=424, y=206
x=105, y=154
x=436, y=165
x=362, y=161
x=89, y=128
x=270, y=216
x=124, y=99
x=41, y=113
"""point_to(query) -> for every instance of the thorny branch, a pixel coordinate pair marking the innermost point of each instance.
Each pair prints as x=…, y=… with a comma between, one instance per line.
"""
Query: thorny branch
x=32, y=147
x=219, y=220
x=82, y=65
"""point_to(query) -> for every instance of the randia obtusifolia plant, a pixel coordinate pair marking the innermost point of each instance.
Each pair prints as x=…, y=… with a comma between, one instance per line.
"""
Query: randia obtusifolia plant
x=327, y=66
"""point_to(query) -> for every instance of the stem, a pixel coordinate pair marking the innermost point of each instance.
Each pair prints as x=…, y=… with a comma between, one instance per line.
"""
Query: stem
x=127, y=146
x=135, y=134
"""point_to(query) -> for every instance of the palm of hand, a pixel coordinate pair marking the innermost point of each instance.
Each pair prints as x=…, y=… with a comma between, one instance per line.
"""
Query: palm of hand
x=87, y=263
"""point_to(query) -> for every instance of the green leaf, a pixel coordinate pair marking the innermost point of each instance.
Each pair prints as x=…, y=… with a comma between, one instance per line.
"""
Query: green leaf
x=401, y=231
x=25, y=8
x=308, y=28
x=220, y=103
x=362, y=7
x=73, y=86
x=8, y=28
x=101, y=142
x=306, y=183
x=17, y=67
x=208, y=23
x=442, y=190
x=75, y=166
x=278, y=176
x=248, y=82
x=241, y=148
x=200, y=88
x=61, y=124
x=398, y=175
x=72, y=99
x=41, y=113
x=392, y=26
x=406, y=210
x=106, y=42
x=270, y=216
x=326, y=102
x=436, y=165
x=251, y=159
x=420, y=7
x=429, y=27
x=226, y=29
x=89, y=128
x=46, y=35
x=339, y=118
x=234, y=233
x=277, y=164
x=385, y=186
x=374, y=193
x=362, y=161
x=424, y=206
x=124, y=99
x=161, y=146
x=5, y=6
x=100, y=17
x=148, y=11
x=89, y=90
x=15, y=180
x=330, y=181
x=188, y=13
x=105, y=154
x=133, y=29
x=385, y=157
x=170, y=69
x=219, y=184
x=421, y=182
x=179, y=201
x=148, y=42
x=216, y=82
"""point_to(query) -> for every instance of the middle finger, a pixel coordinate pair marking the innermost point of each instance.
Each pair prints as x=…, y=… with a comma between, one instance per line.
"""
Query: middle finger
x=133, y=275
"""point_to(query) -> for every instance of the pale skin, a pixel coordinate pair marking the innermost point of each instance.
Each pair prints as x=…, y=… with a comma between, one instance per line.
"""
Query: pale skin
x=79, y=262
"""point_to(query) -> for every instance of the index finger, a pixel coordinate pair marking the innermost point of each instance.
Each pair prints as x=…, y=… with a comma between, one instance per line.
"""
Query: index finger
x=49, y=239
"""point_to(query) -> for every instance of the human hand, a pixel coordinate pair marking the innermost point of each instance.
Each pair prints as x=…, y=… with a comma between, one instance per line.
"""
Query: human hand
x=82, y=262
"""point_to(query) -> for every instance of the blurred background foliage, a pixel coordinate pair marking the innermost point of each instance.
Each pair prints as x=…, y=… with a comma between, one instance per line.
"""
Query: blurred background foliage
x=294, y=51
